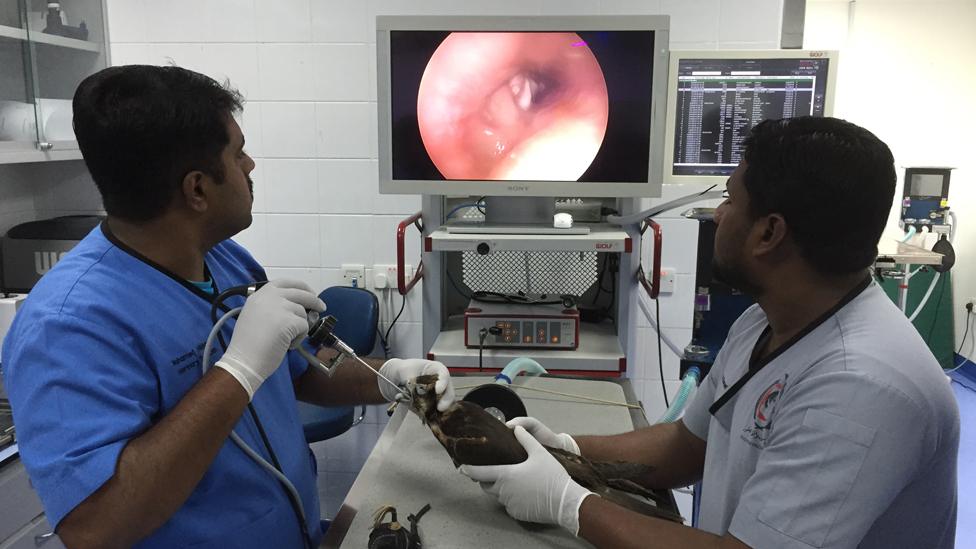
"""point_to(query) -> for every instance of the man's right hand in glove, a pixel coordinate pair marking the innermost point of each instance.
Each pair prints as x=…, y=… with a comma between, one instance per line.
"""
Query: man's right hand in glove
x=544, y=435
x=274, y=318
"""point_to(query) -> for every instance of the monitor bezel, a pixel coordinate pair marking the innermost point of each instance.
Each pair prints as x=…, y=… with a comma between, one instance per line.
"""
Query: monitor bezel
x=676, y=57
x=651, y=188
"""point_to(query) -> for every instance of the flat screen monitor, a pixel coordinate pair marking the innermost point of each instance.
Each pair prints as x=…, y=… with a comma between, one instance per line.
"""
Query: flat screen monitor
x=521, y=106
x=716, y=97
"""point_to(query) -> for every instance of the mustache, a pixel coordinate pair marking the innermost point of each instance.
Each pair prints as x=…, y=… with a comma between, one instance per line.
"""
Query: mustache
x=250, y=185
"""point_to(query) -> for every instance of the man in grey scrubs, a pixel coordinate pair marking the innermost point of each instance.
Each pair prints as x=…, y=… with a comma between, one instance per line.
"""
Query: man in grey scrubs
x=825, y=421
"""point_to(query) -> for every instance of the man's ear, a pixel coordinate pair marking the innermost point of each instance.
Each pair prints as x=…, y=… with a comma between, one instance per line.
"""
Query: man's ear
x=194, y=190
x=772, y=234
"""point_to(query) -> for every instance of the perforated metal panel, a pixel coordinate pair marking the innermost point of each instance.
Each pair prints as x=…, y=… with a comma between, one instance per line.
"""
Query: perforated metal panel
x=534, y=272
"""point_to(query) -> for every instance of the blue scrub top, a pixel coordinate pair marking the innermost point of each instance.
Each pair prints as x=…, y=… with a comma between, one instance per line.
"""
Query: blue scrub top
x=103, y=348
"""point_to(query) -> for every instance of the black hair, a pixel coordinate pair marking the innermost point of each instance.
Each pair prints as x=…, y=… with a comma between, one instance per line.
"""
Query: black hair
x=832, y=181
x=142, y=128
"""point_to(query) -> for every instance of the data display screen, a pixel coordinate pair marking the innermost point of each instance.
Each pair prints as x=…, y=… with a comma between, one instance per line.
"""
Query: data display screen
x=720, y=100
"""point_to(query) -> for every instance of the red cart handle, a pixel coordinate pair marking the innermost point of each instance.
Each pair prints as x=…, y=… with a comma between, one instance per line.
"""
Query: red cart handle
x=402, y=285
x=652, y=288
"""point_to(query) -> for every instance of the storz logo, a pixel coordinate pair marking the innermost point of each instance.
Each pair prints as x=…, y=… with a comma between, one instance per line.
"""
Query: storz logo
x=518, y=188
x=43, y=261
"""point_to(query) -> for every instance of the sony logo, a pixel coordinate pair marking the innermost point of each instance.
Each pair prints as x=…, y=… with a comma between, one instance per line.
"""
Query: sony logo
x=518, y=188
x=43, y=261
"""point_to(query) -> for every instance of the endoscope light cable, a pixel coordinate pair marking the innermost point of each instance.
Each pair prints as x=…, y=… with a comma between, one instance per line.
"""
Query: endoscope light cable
x=293, y=496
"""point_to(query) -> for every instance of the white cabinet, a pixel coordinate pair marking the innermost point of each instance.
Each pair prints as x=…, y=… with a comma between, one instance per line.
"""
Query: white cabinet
x=44, y=53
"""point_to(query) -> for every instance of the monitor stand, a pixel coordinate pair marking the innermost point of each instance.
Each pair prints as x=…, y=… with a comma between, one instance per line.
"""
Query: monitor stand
x=516, y=215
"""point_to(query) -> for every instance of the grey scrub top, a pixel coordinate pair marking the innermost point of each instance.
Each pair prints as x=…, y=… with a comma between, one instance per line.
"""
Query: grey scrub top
x=848, y=438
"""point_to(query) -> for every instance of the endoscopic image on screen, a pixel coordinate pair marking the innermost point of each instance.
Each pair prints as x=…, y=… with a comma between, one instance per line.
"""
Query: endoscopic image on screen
x=531, y=106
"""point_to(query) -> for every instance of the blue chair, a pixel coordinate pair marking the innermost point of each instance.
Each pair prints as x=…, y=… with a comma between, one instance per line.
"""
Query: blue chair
x=357, y=313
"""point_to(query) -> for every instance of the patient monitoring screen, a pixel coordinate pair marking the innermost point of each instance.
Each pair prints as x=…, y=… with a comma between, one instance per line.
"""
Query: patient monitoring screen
x=532, y=106
x=720, y=100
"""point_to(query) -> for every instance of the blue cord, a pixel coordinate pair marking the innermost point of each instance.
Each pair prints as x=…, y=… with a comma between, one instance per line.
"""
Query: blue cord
x=462, y=206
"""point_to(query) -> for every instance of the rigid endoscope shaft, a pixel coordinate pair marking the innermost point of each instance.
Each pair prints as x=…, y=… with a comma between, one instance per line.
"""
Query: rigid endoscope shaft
x=341, y=346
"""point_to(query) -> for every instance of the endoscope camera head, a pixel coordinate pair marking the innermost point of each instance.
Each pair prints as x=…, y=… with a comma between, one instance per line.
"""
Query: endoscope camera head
x=320, y=332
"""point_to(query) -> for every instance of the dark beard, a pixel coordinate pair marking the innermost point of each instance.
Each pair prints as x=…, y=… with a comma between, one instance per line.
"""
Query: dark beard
x=735, y=278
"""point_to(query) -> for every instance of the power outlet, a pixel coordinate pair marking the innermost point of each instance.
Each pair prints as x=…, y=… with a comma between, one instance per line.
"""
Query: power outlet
x=354, y=275
x=970, y=303
x=385, y=276
x=668, y=276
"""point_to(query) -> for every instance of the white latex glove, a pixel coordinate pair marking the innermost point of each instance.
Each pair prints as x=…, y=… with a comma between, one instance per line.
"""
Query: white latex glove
x=402, y=370
x=545, y=435
x=536, y=490
x=273, y=319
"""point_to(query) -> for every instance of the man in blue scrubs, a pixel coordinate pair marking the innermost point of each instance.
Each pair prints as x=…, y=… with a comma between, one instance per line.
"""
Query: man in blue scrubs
x=124, y=438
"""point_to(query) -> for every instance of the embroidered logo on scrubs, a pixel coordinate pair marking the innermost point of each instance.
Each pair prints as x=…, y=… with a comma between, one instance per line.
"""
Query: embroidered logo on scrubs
x=762, y=416
x=764, y=406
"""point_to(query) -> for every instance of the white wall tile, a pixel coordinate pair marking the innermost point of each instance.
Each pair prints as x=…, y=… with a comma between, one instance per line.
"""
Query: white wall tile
x=750, y=21
x=373, y=130
x=384, y=231
x=287, y=72
x=255, y=238
x=293, y=241
x=679, y=242
x=176, y=21
x=496, y=7
x=288, y=130
x=406, y=340
x=372, y=71
x=127, y=21
x=331, y=277
x=292, y=186
x=340, y=72
x=403, y=204
x=235, y=64
x=630, y=7
x=235, y=20
x=253, y=128
x=340, y=21
x=129, y=54
x=692, y=20
x=261, y=178
x=390, y=300
x=346, y=239
x=569, y=7
x=284, y=21
x=651, y=369
x=344, y=130
x=766, y=45
x=347, y=185
x=653, y=398
x=683, y=45
x=312, y=277
x=308, y=69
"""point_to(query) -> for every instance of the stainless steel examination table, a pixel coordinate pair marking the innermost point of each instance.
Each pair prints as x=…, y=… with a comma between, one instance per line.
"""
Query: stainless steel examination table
x=408, y=468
